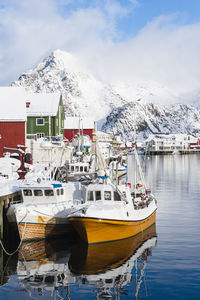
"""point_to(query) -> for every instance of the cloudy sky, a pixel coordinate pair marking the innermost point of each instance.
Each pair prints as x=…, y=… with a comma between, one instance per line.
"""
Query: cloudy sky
x=155, y=40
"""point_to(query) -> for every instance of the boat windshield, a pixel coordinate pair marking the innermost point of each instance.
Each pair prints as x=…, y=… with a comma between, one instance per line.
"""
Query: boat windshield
x=27, y=192
x=117, y=196
x=98, y=195
x=49, y=192
x=103, y=195
x=38, y=192
x=90, y=196
x=107, y=195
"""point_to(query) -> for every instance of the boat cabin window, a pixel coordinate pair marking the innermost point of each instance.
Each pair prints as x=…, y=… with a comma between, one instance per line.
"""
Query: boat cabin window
x=117, y=196
x=27, y=192
x=61, y=191
x=107, y=195
x=85, y=169
x=98, y=195
x=90, y=196
x=48, y=192
x=38, y=193
x=72, y=168
x=81, y=168
x=58, y=192
x=76, y=169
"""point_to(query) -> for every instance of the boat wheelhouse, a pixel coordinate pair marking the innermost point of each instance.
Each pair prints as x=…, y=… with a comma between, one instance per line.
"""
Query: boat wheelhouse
x=44, y=208
x=78, y=168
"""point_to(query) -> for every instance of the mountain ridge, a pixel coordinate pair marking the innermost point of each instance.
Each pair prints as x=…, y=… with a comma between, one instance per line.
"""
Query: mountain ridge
x=112, y=105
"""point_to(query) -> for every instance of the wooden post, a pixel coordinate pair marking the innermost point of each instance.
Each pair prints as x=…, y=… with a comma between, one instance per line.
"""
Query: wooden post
x=1, y=219
x=67, y=171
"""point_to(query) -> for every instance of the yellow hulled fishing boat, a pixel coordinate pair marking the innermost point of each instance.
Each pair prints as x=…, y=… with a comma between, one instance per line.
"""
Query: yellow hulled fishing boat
x=110, y=212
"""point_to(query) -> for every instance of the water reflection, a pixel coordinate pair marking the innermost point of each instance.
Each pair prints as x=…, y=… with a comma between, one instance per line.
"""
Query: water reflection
x=109, y=267
x=51, y=267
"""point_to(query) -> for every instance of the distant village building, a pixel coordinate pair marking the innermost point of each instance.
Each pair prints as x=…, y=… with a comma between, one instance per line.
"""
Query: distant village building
x=169, y=142
x=45, y=115
x=126, y=146
x=73, y=126
x=108, y=143
x=12, y=117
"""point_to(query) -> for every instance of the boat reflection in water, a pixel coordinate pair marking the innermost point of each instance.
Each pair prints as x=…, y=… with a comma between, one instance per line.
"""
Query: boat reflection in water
x=54, y=266
x=43, y=267
x=109, y=266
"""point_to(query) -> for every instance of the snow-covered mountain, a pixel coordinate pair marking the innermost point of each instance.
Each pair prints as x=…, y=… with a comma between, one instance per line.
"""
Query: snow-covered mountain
x=82, y=93
x=113, y=105
x=150, y=118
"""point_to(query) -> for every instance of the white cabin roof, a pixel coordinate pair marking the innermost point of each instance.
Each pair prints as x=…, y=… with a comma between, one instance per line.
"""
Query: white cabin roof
x=73, y=123
x=42, y=104
x=178, y=137
x=13, y=104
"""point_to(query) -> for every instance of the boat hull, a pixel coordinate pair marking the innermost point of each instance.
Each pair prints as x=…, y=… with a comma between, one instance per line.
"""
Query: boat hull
x=95, y=230
x=36, y=231
x=91, y=259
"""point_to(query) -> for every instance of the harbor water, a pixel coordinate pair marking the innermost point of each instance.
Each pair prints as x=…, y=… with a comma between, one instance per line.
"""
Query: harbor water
x=161, y=263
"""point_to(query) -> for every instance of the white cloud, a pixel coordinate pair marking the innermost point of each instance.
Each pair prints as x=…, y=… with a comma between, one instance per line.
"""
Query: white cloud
x=162, y=51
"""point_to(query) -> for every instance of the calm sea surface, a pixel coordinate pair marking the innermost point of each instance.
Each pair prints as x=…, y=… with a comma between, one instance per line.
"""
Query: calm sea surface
x=162, y=263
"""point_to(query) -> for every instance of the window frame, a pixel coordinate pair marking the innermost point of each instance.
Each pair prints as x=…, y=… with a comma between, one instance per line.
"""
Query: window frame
x=48, y=190
x=106, y=192
x=39, y=194
x=40, y=135
x=40, y=119
x=27, y=190
x=90, y=198
x=97, y=198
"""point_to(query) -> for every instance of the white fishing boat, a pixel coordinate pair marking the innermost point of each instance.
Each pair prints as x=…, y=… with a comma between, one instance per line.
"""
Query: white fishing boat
x=44, y=208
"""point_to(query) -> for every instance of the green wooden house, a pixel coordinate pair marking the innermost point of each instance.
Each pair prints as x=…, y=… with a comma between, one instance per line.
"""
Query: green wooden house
x=45, y=115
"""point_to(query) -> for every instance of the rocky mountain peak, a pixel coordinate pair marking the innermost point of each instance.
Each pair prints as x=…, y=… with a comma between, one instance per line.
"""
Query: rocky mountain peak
x=108, y=104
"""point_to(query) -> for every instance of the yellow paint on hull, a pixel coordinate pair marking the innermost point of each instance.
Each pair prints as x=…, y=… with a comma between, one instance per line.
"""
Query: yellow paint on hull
x=97, y=258
x=93, y=230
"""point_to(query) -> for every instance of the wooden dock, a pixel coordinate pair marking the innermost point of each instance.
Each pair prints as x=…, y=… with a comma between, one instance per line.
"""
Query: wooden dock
x=172, y=152
x=5, y=202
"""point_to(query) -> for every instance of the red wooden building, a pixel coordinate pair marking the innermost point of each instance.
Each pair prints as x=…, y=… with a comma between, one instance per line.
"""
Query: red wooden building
x=74, y=125
x=12, y=117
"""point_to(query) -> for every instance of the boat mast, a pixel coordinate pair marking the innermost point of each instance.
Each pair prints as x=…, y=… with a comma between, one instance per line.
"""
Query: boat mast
x=138, y=283
x=139, y=168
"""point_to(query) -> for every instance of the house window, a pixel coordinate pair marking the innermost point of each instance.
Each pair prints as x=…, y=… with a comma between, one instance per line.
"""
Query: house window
x=40, y=121
x=40, y=135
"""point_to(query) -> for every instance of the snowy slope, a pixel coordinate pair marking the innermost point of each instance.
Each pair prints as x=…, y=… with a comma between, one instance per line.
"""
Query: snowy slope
x=151, y=118
x=90, y=97
x=82, y=93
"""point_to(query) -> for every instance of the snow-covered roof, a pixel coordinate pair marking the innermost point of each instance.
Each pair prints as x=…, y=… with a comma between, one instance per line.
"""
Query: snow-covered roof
x=13, y=104
x=178, y=137
x=42, y=104
x=73, y=123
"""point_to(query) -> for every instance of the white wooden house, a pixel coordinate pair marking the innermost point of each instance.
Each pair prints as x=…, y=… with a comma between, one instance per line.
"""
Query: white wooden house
x=169, y=142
